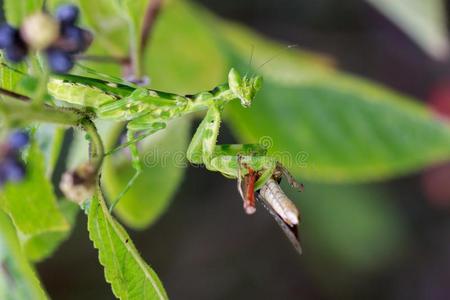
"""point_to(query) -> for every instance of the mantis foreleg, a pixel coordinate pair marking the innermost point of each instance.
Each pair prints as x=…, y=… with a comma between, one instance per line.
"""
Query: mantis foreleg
x=233, y=161
x=201, y=148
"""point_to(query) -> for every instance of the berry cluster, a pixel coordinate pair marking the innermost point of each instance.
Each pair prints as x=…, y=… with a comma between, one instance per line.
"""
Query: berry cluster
x=60, y=38
x=12, y=168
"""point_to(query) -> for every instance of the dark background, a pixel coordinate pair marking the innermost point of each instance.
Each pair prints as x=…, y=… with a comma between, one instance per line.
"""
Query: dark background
x=205, y=247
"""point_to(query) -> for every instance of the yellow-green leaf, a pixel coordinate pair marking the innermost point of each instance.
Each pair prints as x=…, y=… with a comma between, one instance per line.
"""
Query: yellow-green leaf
x=163, y=157
x=332, y=127
x=18, y=280
x=106, y=20
x=129, y=275
x=16, y=11
x=183, y=56
x=32, y=206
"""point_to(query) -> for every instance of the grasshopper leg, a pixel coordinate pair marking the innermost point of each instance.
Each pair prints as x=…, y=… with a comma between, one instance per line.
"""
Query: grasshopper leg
x=248, y=197
x=291, y=180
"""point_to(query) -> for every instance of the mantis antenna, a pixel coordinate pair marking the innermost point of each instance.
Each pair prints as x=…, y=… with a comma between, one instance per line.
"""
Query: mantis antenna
x=276, y=55
x=252, y=51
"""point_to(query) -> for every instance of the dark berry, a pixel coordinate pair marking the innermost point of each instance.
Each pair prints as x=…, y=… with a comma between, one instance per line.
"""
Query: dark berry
x=8, y=35
x=16, y=52
x=15, y=48
x=18, y=140
x=71, y=39
x=59, y=61
x=13, y=169
x=67, y=14
x=87, y=40
x=3, y=177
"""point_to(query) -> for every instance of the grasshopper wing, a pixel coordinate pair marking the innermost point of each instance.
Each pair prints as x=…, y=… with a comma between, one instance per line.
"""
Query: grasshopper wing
x=291, y=232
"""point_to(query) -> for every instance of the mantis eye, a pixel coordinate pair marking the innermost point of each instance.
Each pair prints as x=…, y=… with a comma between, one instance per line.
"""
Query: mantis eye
x=257, y=83
x=235, y=82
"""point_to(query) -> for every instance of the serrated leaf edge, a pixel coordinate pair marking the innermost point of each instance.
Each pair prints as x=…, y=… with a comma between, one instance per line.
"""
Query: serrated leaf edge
x=128, y=245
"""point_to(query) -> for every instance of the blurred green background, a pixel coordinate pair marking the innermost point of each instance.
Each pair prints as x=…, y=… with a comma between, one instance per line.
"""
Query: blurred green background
x=378, y=229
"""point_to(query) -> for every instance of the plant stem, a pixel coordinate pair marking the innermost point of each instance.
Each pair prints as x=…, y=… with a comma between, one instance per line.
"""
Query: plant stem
x=104, y=59
x=13, y=95
x=25, y=111
x=41, y=91
x=97, y=150
x=133, y=70
x=41, y=72
x=151, y=14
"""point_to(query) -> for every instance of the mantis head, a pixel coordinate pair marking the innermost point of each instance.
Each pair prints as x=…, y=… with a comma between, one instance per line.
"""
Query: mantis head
x=244, y=88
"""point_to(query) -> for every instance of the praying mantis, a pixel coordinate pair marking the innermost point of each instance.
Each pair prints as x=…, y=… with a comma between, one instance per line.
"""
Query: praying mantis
x=148, y=111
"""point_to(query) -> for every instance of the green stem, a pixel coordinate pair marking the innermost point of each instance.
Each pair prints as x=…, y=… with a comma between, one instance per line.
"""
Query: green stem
x=55, y=149
x=19, y=108
x=97, y=150
x=41, y=90
x=139, y=40
x=25, y=111
x=134, y=53
x=41, y=72
x=151, y=14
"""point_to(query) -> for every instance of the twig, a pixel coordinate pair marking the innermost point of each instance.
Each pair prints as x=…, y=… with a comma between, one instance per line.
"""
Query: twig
x=104, y=59
x=18, y=107
x=14, y=95
x=150, y=17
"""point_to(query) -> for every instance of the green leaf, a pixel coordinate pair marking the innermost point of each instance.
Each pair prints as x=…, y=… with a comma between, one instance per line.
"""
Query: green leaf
x=270, y=59
x=18, y=280
x=171, y=61
x=334, y=127
x=32, y=206
x=163, y=157
x=50, y=139
x=56, y=146
x=357, y=227
x=16, y=11
x=117, y=26
x=106, y=19
x=424, y=21
x=182, y=56
x=10, y=79
x=128, y=274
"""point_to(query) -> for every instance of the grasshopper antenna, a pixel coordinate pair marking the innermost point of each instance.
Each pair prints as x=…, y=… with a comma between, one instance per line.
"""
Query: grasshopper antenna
x=276, y=55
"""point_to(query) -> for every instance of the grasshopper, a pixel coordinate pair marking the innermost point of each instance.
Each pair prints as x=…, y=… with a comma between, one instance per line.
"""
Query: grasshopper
x=148, y=111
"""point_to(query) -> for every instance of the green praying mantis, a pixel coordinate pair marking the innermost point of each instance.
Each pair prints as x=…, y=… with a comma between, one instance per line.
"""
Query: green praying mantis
x=148, y=111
